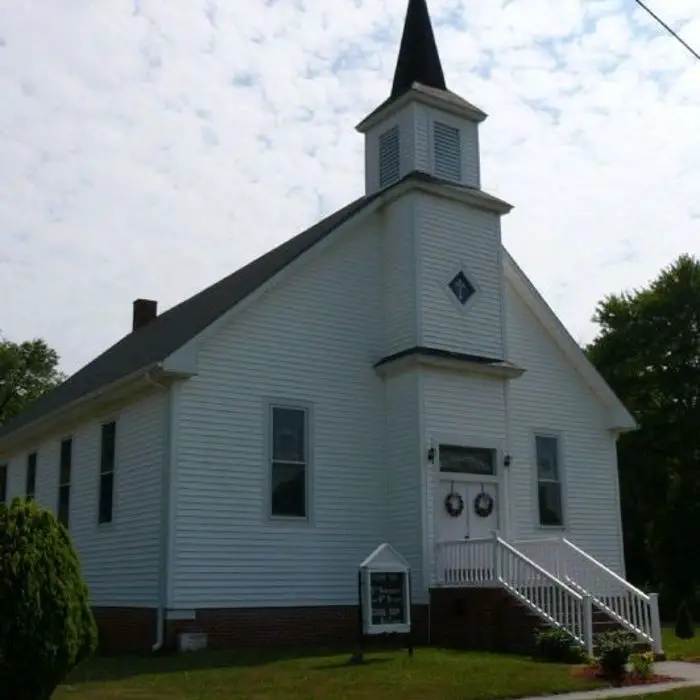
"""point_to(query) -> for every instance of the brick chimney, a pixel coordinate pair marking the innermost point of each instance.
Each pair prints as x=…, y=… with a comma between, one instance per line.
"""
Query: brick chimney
x=145, y=310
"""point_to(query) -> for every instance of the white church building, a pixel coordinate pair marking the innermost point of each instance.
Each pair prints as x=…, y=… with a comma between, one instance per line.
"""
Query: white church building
x=388, y=375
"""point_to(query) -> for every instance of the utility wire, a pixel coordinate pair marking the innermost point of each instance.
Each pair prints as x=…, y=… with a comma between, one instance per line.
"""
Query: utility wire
x=669, y=30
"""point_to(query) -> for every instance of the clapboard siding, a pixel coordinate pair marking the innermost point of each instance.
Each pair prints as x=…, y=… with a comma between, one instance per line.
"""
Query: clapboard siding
x=551, y=396
x=461, y=409
x=404, y=494
x=454, y=236
x=313, y=339
x=120, y=559
x=399, y=277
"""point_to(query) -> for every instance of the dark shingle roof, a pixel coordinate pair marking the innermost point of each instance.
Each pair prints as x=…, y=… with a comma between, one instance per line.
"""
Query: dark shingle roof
x=171, y=330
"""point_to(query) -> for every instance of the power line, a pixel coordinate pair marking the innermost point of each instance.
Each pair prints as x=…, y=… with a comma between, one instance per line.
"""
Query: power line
x=669, y=30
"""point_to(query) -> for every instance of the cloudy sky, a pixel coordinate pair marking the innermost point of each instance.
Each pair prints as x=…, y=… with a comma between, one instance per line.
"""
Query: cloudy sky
x=150, y=147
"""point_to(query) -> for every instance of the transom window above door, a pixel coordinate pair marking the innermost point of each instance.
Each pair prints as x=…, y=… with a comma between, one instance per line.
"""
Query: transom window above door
x=458, y=459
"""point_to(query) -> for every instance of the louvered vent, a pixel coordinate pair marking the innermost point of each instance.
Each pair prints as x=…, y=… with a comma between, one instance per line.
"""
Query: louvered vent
x=448, y=152
x=389, y=169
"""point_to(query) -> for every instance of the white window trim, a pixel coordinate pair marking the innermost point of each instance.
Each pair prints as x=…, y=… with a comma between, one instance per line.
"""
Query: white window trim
x=70, y=475
x=287, y=520
x=455, y=270
x=545, y=433
x=115, y=472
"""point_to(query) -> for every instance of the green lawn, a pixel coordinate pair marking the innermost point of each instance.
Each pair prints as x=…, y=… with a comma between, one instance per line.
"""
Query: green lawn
x=688, y=649
x=432, y=674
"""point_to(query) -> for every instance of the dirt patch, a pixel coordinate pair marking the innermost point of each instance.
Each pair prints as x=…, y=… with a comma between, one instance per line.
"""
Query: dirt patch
x=629, y=677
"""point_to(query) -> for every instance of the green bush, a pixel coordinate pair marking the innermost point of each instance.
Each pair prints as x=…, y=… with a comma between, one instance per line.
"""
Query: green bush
x=613, y=651
x=558, y=646
x=684, y=622
x=46, y=625
x=642, y=664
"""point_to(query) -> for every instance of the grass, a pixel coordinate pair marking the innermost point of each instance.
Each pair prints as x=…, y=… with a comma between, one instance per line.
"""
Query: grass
x=432, y=674
x=688, y=649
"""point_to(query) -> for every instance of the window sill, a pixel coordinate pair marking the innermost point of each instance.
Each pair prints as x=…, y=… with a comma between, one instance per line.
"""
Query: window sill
x=288, y=521
x=561, y=528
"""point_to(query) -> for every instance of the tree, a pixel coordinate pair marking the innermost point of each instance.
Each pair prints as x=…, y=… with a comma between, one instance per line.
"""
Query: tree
x=46, y=624
x=27, y=371
x=648, y=350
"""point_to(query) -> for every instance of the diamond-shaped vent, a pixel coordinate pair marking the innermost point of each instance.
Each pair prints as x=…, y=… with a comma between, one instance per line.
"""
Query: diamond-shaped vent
x=461, y=287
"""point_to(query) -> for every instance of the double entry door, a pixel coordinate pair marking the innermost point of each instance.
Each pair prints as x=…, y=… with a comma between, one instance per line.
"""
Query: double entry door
x=467, y=498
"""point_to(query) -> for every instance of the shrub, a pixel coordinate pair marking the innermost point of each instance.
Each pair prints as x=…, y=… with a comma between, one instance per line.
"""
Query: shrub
x=46, y=625
x=558, y=646
x=642, y=664
x=613, y=650
x=684, y=622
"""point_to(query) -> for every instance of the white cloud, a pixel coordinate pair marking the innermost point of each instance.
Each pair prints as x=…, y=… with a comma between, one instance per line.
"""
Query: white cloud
x=150, y=147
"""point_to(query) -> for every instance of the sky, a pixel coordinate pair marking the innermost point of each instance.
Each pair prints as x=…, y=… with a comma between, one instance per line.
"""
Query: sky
x=150, y=147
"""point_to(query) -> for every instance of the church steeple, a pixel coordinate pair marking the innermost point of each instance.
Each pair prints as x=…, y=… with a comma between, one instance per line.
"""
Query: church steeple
x=419, y=60
x=422, y=126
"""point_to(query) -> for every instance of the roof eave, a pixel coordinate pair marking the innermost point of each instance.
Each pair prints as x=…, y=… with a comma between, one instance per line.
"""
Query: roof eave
x=78, y=409
x=392, y=106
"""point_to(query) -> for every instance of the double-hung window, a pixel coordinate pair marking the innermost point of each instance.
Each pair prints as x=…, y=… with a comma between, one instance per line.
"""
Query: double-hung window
x=289, y=462
x=549, y=485
x=64, y=478
x=30, y=488
x=107, y=464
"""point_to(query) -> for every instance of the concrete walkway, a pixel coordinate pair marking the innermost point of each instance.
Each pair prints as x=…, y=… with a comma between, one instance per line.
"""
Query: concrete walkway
x=689, y=673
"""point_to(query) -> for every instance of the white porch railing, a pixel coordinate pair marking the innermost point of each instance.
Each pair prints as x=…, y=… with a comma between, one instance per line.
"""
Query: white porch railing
x=633, y=609
x=493, y=560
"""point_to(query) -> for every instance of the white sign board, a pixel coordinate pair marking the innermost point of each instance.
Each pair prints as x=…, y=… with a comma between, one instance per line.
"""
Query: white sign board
x=386, y=593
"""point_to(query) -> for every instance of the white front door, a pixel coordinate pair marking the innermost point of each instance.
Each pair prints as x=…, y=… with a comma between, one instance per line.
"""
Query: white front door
x=468, y=478
x=469, y=524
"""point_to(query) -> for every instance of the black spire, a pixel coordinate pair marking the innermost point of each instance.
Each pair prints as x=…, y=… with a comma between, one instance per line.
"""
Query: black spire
x=419, y=61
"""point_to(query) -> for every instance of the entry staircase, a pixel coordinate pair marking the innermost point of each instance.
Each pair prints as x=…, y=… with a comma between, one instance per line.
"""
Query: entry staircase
x=556, y=580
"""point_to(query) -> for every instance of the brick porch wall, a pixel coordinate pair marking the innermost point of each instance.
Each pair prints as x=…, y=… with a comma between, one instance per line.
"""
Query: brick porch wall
x=488, y=619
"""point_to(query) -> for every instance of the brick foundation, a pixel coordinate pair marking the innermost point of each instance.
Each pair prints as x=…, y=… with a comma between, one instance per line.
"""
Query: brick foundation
x=469, y=618
x=335, y=626
x=125, y=629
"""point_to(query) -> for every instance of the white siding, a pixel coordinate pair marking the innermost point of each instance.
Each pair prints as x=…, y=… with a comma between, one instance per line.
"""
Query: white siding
x=404, y=480
x=314, y=338
x=551, y=396
x=461, y=409
x=453, y=236
x=399, y=277
x=120, y=559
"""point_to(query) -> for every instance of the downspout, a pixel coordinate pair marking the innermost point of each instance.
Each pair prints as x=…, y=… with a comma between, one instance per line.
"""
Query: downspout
x=164, y=514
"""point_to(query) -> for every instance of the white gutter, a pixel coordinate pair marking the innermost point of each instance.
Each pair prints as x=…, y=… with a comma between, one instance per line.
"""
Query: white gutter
x=164, y=514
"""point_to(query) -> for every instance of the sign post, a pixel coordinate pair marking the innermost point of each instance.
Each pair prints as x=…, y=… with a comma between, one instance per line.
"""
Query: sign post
x=384, y=597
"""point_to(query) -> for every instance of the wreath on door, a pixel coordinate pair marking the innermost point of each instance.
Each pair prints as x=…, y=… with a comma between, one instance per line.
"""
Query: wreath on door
x=454, y=504
x=483, y=504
